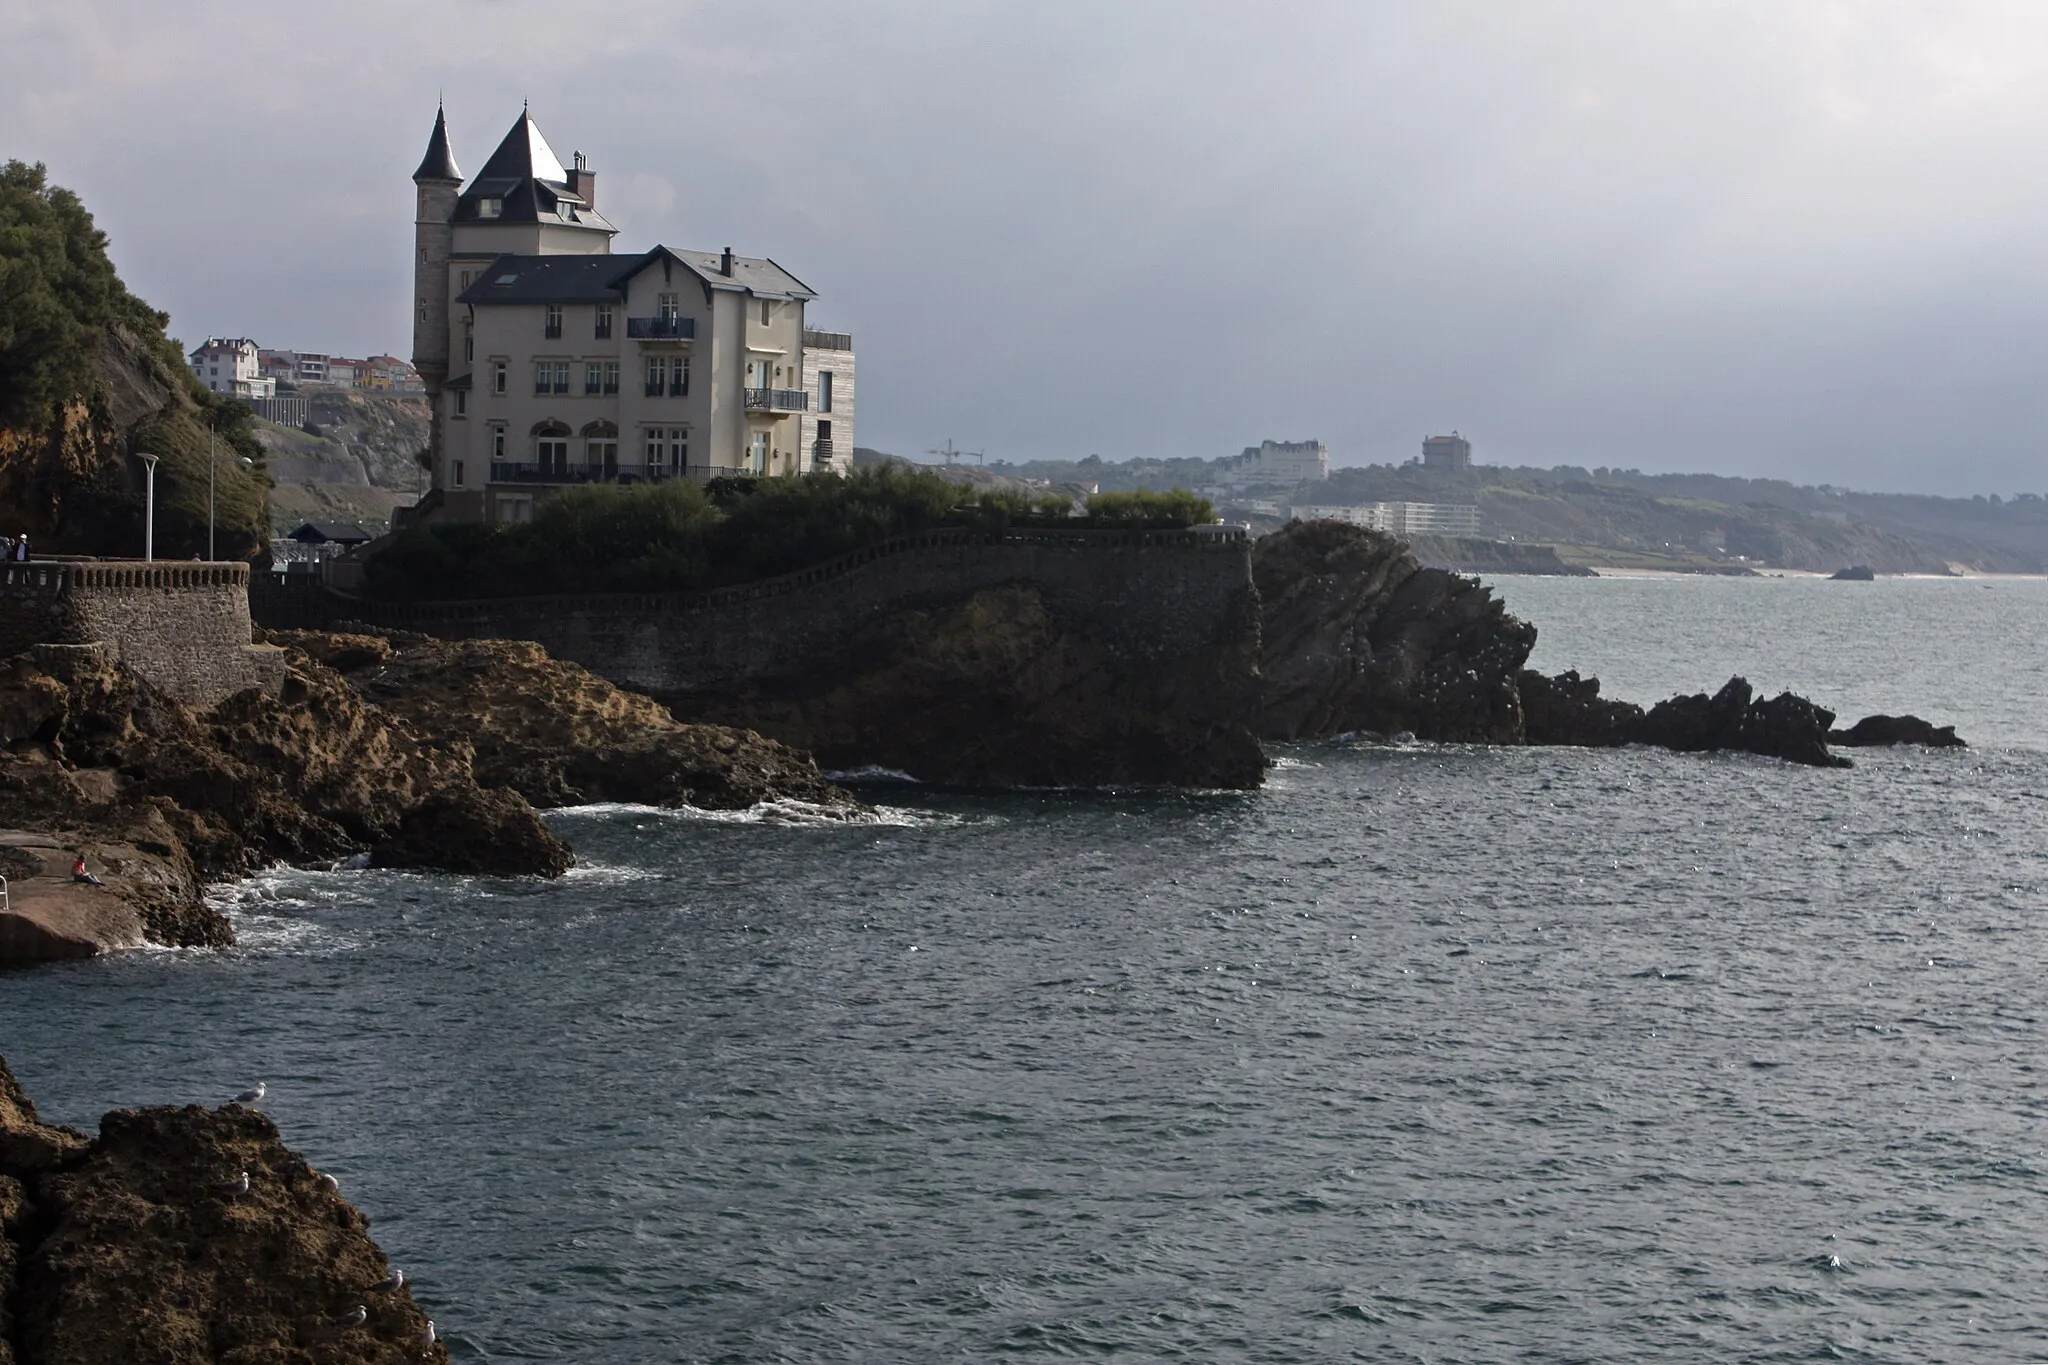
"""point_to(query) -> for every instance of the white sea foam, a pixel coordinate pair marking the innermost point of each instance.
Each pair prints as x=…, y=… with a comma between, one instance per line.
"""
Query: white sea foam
x=609, y=874
x=802, y=814
x=872, y=772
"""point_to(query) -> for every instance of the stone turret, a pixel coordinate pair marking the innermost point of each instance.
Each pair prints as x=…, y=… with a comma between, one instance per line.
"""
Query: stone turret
x=439, y=184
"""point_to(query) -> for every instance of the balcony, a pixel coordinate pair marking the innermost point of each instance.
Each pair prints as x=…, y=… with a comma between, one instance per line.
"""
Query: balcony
x=821, y=452
x=777, y=400
x=661, y=329
x=506, y=471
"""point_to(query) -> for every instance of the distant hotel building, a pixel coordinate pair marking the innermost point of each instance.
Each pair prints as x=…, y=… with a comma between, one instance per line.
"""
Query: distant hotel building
x=549, y=361
x=1276, y=462
x=229, y=365
x=1452, y=453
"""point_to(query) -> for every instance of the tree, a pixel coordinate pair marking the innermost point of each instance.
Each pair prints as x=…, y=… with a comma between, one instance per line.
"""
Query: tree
x=59, y=294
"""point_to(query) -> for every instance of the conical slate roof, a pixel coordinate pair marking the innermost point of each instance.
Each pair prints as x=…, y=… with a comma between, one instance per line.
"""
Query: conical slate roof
x=524, y=182
x=439, y=162
x=524, y=155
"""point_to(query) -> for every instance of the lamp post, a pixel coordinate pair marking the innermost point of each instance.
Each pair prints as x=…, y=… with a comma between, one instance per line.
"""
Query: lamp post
x=211, y=461
x=149, y=513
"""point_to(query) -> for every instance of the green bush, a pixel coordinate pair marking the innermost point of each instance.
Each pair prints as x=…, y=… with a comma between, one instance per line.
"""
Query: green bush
x=1176, y=508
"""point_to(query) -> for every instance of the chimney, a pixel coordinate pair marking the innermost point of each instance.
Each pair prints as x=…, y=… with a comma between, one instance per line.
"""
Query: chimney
x=583, y=182
x=725, y=265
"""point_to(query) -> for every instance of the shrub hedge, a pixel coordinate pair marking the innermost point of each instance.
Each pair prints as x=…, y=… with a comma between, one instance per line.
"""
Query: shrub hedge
x=682, y=535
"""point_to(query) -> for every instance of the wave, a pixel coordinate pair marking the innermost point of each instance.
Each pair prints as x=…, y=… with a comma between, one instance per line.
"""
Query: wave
x=785, y=811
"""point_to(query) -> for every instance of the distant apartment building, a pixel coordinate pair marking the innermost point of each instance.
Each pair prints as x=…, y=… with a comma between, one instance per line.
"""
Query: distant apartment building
x=1399, y=518
x=230, y=365
x=1276, y=462
x=1452, y=453
x=549, y=361
x=296, y=367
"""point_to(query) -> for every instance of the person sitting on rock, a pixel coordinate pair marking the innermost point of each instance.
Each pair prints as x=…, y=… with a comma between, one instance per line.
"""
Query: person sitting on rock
x=79, y=874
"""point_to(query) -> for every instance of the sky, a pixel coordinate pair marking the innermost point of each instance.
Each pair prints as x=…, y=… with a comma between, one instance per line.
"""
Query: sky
x=1785, y=238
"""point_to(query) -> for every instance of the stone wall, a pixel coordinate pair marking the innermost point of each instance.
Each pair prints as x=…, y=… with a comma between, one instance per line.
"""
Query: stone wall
x=183, y=626
x=1148, y=596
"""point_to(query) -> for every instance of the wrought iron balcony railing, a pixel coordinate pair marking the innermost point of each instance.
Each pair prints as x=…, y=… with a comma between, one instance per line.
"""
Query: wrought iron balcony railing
x=661, y=329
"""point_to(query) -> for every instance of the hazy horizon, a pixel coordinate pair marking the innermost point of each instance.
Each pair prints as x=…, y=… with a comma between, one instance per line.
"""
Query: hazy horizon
x=1789, y=240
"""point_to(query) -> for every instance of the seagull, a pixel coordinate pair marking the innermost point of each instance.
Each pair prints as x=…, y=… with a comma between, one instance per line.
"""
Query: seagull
x=330, y=1182
x=240, y=1184
x=357, y=1318
x=389, y=1282
x=250, y=1096
x=427, y=1337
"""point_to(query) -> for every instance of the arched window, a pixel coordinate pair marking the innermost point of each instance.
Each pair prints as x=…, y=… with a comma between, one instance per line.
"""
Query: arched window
x=551, y=449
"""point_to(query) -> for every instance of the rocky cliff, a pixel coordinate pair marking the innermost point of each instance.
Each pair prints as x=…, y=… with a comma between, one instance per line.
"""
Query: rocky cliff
x=1358, y=635
x=994, y=688
x=186, y=1236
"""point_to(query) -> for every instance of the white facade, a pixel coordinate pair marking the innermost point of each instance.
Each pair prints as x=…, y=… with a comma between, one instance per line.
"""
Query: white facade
x=1400, y=518
x=826, y=433
x=1276, y=462
x=231, y=366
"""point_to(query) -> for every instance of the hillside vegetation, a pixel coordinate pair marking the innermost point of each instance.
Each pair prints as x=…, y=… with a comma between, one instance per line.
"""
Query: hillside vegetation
x=1625, y=515
x=87, y=380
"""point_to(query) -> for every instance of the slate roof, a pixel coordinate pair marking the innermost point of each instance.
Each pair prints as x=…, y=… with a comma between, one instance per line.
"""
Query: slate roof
x=527, y=179
x=439, y=162
x=602, y=279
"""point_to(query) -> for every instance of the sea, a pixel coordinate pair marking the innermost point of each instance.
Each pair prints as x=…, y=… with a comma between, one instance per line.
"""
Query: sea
x=1421, y=1053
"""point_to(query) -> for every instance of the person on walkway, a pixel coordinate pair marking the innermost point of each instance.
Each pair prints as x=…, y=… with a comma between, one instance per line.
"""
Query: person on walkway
x=79, y=874
x=21, y=547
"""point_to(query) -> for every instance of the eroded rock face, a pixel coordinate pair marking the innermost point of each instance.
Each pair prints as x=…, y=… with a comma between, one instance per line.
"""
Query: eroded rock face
x=557, y=733
x=993, y=689
x=142, y=1246
x=1358, y=635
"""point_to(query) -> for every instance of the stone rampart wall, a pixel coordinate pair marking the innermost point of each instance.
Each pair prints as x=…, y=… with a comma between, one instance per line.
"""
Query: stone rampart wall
x=1147, y=596
x=183, y=626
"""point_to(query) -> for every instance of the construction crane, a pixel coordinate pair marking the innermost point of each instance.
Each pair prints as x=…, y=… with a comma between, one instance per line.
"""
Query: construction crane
x=950, y=454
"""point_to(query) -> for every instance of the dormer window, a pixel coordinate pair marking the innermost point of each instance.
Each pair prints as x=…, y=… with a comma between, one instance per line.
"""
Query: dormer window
x=490, y=208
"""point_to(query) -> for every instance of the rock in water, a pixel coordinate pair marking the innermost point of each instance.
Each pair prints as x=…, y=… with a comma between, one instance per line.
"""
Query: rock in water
x=1855, y=573
x=171, y=798
x=122, y=1249
x=1358, y=635
x=1568, y=709
x=1786, y=726
x=1880, y=731
x=487, y=831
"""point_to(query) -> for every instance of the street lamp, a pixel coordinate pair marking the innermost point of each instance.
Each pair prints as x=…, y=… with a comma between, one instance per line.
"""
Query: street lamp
x=149, y=514
x=211, y=461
